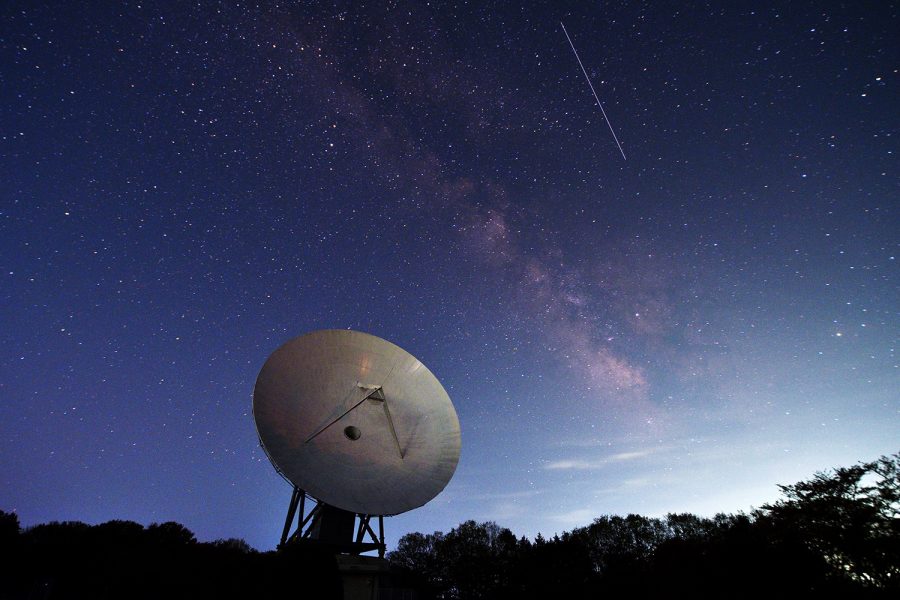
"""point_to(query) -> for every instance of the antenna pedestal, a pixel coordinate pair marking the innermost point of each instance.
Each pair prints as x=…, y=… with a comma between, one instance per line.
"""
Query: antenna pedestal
x=331, y=527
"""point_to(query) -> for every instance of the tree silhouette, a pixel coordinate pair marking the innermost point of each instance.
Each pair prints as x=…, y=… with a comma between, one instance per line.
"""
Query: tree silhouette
x=836, y=534
x=417, y=554
x=9, y=527
x=849, y=517
x=170, y=534
x=235, y=545
x=473, y=560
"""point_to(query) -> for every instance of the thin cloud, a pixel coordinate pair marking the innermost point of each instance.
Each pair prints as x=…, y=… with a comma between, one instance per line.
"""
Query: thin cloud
x=562, y=465
x=505, y=495
x=587, y=465
x=575, y=517
x=578, y=464
x=505, y=510
x=626, y=485
x=630, y=455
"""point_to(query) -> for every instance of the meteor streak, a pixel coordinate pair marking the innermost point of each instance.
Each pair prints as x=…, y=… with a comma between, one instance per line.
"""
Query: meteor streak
x=593, y=91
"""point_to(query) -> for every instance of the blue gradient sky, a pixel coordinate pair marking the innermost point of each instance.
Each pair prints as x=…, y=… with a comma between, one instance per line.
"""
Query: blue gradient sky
x=186, y=188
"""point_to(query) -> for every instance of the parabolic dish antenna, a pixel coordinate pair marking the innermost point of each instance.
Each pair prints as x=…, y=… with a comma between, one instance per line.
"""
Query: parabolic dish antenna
x=356, y=422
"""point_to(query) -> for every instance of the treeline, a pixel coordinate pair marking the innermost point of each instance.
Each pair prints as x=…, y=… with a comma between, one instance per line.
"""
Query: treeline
x=836, y=535
x=123, y=559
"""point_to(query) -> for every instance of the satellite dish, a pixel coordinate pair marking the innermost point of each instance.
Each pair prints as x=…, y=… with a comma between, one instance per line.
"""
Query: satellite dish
x=355, y=422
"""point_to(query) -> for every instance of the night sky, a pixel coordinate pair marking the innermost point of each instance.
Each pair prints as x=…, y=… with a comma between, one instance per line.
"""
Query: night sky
x=185, y=187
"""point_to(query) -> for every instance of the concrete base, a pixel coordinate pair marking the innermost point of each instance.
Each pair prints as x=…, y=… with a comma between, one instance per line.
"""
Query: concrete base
x=362, y=576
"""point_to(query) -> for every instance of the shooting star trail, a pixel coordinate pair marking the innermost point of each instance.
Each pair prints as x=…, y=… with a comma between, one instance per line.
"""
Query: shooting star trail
x=592, y=91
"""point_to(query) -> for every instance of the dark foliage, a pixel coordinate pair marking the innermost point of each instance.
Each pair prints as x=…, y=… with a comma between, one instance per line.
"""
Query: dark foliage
x=122, y=559
x=836, y=535
x=850, y=518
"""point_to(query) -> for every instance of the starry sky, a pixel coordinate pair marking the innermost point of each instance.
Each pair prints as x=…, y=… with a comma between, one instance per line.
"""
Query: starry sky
x=186, y=186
